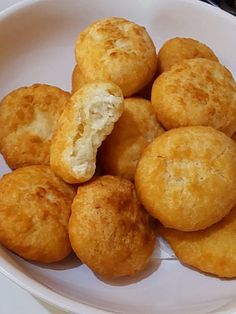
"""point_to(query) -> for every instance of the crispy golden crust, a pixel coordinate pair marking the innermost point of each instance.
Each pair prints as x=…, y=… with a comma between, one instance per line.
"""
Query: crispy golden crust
x=211, y=250
x=34, y=213
x=187, y=177
x=28, y=117
x=137, y=127
x=109, y=230
x=84, y=124
x=78, y=79
x=178, y=49
x=196, y=92
x=118, y=50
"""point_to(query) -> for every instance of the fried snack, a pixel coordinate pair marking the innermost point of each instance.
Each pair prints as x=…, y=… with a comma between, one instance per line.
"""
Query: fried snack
x=137, y=127
x=196, y=92
x=211, y=250
x=109, y=229
x=28, y=117
x=78, y=79
x=118, y=50
x=187, y=177
x=84, y=124
x=34, y=213
x=178, y=49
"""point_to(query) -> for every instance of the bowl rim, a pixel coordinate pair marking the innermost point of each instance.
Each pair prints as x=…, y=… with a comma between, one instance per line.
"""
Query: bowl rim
x=26, y=282
x=43, y=292
x=22, y=4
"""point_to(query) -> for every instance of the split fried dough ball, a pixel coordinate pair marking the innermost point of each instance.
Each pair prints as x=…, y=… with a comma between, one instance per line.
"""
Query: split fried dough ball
x=84, y=124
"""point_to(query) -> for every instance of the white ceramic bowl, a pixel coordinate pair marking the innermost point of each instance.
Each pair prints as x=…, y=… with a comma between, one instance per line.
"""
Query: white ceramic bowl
x=36, y=45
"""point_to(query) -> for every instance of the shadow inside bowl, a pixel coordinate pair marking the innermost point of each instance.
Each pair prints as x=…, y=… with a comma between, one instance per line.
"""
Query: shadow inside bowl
x=50, y=309
x=198, y=271
x=152, y=266
x=69, y=262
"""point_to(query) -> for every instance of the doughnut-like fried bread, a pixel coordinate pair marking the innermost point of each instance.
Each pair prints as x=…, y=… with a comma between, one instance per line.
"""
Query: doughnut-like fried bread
x=109, y=229
x=178, y=49
x=211, y=250
x=196, y=92
x=186, y=177
x=35, y=207
x=122, y=149
x=84, y=124
x=117, y=50
x=28, y=118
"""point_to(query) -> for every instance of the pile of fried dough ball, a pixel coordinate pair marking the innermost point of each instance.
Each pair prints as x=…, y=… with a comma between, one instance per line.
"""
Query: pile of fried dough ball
x=104, y=169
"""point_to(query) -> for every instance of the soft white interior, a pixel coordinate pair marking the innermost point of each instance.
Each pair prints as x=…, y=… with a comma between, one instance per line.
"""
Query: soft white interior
x=97, y=118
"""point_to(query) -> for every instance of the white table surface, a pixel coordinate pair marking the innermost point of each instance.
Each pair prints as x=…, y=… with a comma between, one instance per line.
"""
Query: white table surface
x=15, y=300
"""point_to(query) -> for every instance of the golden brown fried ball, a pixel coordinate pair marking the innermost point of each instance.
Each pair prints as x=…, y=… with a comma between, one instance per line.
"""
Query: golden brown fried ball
x=78, y=79
x=211, y=250
x=86, y=121
x=187, y=177
x=178, y=49
x=34, y=213
x=109, y=230
x=196, y=92
x=28, y=117
x=137, y=127
x=118, y=50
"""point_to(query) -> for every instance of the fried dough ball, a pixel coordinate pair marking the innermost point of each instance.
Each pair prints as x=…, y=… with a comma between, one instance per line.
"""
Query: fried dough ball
x=78, y=79
x=211, y=250
x=84, y=124
x=178, y=49
x=196, y=92
x=28, y=118
x=34, y=213
x=137, y=127
x=118, y=50
x=187, y=177
x=109, y=229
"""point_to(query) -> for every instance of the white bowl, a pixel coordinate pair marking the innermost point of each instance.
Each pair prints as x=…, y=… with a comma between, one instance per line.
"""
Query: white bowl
x=36, y=45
